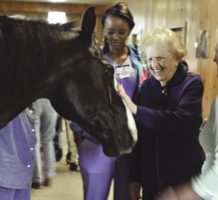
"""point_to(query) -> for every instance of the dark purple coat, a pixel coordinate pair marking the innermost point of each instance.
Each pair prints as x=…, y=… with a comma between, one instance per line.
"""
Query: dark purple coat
x=168, y=118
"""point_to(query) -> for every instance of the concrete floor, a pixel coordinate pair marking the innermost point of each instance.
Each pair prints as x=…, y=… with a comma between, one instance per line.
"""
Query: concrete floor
x=66, y=185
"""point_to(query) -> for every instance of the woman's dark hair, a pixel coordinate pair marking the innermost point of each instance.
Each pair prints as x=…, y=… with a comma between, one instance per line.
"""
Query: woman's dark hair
x=118, y=10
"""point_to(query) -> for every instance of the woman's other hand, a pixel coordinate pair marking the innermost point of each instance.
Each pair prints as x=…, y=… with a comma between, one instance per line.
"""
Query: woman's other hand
x=78, y=138
x=134, y=191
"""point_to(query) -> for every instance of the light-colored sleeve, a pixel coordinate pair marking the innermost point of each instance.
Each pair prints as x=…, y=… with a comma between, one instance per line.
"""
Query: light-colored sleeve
x=206, y=184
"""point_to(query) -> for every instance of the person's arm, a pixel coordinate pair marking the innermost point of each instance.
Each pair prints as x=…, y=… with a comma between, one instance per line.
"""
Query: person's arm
x=206, y=184
x=181, y=117
x=77, y=130
x=132, y=107
x=80, y=134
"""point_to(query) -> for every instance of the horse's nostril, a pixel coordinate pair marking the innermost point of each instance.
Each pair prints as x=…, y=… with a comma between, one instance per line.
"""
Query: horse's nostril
x=115, y=145
x=110, y=149
x=124, y=142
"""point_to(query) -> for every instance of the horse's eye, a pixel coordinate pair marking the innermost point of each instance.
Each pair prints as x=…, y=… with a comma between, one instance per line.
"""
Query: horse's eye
x=109, y=71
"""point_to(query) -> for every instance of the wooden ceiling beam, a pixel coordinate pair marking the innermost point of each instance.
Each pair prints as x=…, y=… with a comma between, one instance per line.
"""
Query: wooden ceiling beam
x=36, y=7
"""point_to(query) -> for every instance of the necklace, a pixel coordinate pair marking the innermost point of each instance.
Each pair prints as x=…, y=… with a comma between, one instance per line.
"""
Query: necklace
x=119, y=57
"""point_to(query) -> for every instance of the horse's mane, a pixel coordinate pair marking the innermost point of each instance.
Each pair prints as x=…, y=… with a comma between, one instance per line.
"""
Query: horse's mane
x=23, y=42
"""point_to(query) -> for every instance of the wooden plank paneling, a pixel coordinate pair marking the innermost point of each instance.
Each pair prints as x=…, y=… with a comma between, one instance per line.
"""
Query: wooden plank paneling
x=74, y=9
x=39, y=10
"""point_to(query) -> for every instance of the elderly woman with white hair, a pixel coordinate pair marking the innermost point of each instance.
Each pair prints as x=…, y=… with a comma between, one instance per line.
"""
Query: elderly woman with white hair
x=204, y=185
x=168, y=115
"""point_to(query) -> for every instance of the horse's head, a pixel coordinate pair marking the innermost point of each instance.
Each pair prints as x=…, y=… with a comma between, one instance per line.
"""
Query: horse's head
x=86, y=95
x=38, y=60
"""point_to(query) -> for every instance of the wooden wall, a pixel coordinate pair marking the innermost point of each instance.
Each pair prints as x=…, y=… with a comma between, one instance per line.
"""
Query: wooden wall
x=19, y=6
x=199, y=15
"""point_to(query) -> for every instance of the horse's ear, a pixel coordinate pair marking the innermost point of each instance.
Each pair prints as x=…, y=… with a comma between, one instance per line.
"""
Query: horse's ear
x=88, y=25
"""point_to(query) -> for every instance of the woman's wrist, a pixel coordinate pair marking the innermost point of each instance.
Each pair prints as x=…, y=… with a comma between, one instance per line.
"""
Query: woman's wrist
x=128, y=101
x=132, y=107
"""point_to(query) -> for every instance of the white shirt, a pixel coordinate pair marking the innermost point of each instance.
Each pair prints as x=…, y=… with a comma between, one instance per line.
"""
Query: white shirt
x=206, y=184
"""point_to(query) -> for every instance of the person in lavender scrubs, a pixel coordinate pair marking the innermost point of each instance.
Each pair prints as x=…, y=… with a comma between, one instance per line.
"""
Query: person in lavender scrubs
x=17, y=142
x=98, y=169
x=168, y=116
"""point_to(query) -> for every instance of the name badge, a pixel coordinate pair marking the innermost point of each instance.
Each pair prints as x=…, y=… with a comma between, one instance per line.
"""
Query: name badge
x=123, y=71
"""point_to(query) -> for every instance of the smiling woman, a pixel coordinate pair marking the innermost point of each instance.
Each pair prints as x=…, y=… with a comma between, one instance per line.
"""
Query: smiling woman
x=168, y=116
x=117, y=23
x=164, y=51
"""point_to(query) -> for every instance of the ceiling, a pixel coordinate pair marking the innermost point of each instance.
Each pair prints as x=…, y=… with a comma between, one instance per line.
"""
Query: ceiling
x=71, y=1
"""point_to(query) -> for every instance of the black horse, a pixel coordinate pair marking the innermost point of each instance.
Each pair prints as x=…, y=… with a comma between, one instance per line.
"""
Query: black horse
x=40, y=60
